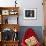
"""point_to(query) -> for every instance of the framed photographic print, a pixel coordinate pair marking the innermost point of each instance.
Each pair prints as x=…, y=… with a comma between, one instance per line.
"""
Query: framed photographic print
x=29, y=13
x=5, y=12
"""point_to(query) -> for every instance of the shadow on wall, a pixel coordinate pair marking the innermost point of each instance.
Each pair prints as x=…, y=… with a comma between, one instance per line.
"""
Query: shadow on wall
x=37, y=29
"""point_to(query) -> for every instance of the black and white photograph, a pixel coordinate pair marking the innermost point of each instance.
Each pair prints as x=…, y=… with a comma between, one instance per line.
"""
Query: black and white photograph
x=30, y=14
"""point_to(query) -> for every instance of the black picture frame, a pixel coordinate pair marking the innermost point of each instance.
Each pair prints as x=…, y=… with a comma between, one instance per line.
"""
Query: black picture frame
x=29, y=13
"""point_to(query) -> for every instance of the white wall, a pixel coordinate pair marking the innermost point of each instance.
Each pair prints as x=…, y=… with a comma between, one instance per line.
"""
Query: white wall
x=7, y=3
x=27, y=4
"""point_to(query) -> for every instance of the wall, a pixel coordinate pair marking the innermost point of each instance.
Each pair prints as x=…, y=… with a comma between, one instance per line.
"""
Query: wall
x=7, y=3
x=27, y=4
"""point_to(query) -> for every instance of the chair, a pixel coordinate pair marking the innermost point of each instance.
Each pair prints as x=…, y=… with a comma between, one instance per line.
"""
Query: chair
x=29, y=33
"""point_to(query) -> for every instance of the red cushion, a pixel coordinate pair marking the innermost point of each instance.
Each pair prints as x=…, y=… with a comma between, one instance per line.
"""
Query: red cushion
x=29, y=33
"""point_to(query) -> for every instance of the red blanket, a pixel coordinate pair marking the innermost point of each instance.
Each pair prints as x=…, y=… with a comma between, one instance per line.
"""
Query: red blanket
x=29, y=33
